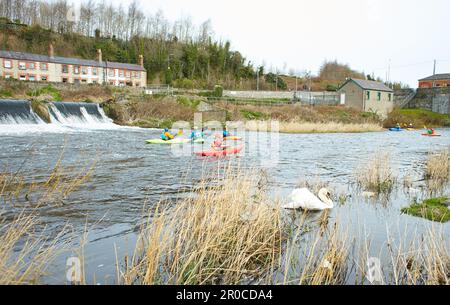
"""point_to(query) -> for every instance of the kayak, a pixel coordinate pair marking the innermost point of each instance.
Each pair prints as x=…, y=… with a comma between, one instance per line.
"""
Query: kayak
x=174, y=141
x=395, y=129
x=411, y=129
x=219, y=153
x=232, y=138
x=431, y=135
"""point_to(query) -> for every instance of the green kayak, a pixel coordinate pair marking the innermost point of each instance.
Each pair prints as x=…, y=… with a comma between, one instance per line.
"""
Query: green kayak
x=174, y=141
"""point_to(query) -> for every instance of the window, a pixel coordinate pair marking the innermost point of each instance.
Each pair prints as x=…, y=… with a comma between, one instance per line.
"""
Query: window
x=76, y=70
x=94, y=71
x=83, y=81
x=65, y=69
x=379, y=96
x=44, y=78
x=94, y=82
x=390, y=97
x=22, y=77
x=120, y=73
x=65, y=80
x=31, y=65
x=7, y=64
x=31, y=78
x=138, y=84
x=84, y=70
x=22, y=65
x=8, y=76
x=111, y=72
x=44, y=66
x=128, y=74
x=367, y=95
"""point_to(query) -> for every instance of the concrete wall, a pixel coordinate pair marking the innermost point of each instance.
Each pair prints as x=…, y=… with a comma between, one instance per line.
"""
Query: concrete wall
x=259, y=94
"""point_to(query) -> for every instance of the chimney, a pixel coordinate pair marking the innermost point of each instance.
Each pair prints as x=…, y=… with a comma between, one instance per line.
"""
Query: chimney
x=51, y=52
x=99, y=55
x=141, y=60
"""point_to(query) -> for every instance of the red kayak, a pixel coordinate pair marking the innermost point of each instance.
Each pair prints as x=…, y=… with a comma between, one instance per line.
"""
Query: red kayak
x=219, y=153
x=431, y=135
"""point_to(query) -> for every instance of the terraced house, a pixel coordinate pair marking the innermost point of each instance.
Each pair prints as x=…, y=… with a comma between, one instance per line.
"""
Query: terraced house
x=51, y=68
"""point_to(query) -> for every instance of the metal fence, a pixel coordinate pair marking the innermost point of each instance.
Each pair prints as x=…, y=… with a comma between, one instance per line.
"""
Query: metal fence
x=158, y=89
x=317, y=98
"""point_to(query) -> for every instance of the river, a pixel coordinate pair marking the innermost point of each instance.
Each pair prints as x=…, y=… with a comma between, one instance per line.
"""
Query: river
x=129, y=175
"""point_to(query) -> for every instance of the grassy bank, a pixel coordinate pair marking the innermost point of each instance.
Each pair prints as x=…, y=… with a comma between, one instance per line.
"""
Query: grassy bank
x=418, y=117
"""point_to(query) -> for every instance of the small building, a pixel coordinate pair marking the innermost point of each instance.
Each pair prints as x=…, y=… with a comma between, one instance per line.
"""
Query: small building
x=51, y=68
x=435, y=81
x=365, y=95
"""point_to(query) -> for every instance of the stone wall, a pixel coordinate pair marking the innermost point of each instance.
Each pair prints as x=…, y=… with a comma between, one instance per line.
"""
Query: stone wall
x=424, y=97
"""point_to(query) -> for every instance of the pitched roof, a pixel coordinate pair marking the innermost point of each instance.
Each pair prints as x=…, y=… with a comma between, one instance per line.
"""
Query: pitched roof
x=369, y=85
x=437, y=77
x=68, y=61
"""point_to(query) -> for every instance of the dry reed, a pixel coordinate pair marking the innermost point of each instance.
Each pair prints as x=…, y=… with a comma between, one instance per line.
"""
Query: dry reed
x=376, y=175
x=221, y=235
x=317, y=127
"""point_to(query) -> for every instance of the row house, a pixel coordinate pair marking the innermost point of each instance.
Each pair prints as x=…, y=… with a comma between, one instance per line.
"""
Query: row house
x=51, y=68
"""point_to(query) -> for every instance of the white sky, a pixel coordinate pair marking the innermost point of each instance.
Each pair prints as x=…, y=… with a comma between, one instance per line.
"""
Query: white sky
x=366, y=34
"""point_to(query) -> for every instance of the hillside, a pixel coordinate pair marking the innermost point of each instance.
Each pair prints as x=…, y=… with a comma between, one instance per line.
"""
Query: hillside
x=182, y=64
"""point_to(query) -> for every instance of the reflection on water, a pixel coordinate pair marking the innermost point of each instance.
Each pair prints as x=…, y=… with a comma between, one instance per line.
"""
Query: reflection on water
x=130, y=174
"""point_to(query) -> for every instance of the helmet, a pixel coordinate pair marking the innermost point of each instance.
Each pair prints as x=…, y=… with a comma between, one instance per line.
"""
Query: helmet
x=166, y=129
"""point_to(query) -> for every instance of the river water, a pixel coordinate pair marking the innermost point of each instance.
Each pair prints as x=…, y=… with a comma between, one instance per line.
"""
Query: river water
x=129, y=175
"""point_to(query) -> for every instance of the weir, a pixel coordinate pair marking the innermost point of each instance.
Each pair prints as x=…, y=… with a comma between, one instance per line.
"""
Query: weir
x=18, y=112
x=85, y=115
x=67, y=113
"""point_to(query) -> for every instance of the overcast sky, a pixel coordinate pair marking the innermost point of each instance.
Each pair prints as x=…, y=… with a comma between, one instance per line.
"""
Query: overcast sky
x=366, y=34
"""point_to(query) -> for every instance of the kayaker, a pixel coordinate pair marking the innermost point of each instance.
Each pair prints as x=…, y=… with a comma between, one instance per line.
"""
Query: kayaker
x=166, y=135
x=196, y=134
x=410, y=125
x=226, y=133
x=431, y=131
x=217, y=144
x=398, y=126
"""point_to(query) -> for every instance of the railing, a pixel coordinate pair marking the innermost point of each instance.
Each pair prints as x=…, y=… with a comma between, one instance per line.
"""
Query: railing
x=407, y=99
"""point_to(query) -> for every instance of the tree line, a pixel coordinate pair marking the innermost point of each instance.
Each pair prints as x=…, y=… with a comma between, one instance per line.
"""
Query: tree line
x=178, y=51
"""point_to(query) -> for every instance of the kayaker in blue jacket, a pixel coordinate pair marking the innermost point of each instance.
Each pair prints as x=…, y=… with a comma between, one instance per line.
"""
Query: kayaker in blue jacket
x=196, y=134
x=226, y=133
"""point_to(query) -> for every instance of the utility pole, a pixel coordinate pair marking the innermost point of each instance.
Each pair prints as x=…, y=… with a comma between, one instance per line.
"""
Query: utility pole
x=276, y=80
x=434, y=67
x=257, y=79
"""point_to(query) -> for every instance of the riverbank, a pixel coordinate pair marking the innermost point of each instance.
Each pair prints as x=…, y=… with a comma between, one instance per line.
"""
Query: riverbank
x=163, y=111
x=418, y=118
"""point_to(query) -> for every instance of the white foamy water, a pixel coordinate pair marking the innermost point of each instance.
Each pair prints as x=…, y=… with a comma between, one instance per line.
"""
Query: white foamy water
x=17, y=118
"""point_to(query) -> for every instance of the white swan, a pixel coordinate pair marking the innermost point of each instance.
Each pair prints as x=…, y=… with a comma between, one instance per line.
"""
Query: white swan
x=303, y=198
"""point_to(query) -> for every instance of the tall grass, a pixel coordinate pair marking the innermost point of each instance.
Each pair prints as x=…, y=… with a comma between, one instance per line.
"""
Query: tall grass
x=221, y=235
x=318, y=127
x=438, y=166
x=376, y=175
x=26, y=248
x=24, y=254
